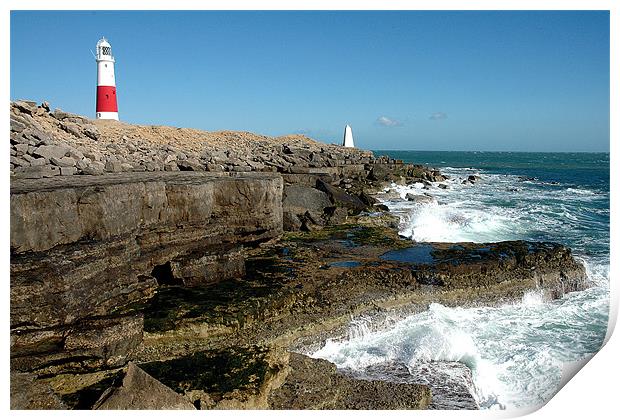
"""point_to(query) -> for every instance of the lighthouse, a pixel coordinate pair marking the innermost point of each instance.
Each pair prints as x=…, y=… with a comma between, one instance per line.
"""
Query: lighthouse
x=106, y=83
x=347, y=141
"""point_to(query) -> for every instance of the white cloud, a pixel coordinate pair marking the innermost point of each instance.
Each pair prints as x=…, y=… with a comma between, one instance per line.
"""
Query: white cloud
x=388, y=122
x=438, y=116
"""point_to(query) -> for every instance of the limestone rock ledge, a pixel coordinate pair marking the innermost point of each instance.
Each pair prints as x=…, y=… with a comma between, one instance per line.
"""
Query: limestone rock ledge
x=316, y=384
x=84, y=250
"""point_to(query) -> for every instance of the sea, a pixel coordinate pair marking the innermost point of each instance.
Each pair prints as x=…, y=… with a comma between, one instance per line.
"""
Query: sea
x=516, y=352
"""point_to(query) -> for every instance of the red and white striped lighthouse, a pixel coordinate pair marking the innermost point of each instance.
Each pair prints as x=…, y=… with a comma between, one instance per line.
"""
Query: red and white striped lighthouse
x=106, y=83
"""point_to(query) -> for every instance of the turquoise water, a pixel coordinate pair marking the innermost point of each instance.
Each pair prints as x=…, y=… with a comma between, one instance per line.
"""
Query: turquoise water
x=515, y=352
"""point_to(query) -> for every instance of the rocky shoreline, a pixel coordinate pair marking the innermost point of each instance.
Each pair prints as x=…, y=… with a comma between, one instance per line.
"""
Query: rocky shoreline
x=166, y=268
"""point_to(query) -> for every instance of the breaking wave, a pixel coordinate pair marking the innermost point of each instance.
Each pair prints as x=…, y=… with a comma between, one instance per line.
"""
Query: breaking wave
x=515, y=352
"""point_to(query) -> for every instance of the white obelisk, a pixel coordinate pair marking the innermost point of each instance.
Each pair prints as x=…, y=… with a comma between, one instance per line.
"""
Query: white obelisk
x=348, y=137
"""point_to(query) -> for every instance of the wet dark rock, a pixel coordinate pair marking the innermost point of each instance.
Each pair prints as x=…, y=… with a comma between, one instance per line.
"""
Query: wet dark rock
x=451, y=383
x=340, y=198
x=420, y=199
x=367, y=199
x=381, y=207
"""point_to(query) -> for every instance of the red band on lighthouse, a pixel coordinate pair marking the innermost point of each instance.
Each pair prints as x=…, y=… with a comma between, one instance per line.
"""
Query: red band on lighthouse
x=106, y=99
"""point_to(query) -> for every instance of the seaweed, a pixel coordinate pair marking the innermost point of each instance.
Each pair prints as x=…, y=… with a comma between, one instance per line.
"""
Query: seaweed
x=223, y=303
x=353, y=235
x=217, y=372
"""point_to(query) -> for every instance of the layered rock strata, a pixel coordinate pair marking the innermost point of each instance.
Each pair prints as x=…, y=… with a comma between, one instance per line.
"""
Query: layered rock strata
x=84, y=249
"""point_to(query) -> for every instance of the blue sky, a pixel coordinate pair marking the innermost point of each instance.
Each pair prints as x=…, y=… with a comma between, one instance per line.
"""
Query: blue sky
x=518, y=81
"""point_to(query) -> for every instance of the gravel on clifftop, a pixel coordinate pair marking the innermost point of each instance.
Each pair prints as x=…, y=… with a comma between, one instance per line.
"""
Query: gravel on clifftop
x=47, y=143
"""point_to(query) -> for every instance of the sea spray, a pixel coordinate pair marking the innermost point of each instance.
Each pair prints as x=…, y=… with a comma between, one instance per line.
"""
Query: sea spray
x=515, y=352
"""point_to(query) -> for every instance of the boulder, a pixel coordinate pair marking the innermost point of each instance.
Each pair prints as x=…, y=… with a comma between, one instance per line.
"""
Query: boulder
x=93, y=155
x=94, y=168
x=190, y=165
x=140, y=391
x=340, y=198
x=72, y=128
x=70, y=170
x=19, y=162
x=303, y=207
x=83, y=163
x=368, y=199
x=307, y=198
x=17, y=126
x=37, y=161
x=51, y=151
x=113, y=166
x=471, y=179
x=92, y=132
x=291, y=221
x=419, y=199
x=28, y=107
x=65, y=161
x=336, y=215
x=384, y=172
x=214, y=167
x=21, y=148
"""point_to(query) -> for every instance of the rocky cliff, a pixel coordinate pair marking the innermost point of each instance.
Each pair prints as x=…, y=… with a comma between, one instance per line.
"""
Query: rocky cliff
x=84, y=249
x=199, y=267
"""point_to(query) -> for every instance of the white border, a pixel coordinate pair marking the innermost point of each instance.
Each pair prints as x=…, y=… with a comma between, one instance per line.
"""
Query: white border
x=592, y=394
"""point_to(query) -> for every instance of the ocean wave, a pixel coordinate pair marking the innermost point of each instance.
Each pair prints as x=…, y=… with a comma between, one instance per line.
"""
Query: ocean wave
x=516, y=351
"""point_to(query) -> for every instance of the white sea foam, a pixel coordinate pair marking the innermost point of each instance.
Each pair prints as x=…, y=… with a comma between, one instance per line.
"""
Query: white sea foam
x=515, y=352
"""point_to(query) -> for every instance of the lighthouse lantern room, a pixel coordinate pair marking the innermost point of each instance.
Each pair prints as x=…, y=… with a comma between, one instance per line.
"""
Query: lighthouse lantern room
x=106, y=83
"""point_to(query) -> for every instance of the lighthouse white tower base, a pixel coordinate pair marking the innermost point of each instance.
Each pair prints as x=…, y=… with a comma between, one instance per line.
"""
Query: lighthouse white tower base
x=107, y=116
x=347, y=141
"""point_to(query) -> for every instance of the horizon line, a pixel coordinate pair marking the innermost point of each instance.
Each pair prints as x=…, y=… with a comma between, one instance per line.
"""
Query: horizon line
x=480, y=151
